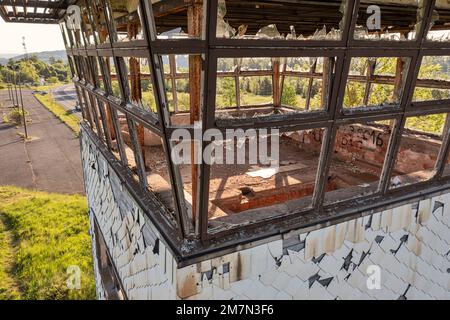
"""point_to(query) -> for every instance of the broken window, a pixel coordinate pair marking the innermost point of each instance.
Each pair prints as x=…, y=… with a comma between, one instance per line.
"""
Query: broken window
x=80, y=95
x=78, y=67
x=66, y=39
x=83, y=68
x=290, y=88
x=98, y=67
x=176, y=81
x=305, y=77
x=89, y=112
x=139, y=84
x=126, y=20
x=419, y=149
x=281, y=20
x=177, y=20
x=260, y=174
x=90, y=70
x=107, y=122
x=357, y=160
x=110, y=67
x=99, y=19
x=91, y=102
x=439, y=30
x=375, y=82
x=86, y=18
x=128, y=146
x=255, y=87
x=99, y=113
x=433, y=81
x=157, y=170
x=116, y=120
x=73, y=68
x=389, y=20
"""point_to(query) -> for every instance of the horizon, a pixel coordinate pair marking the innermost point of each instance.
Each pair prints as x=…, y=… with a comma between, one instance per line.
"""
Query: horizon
x=16, y=54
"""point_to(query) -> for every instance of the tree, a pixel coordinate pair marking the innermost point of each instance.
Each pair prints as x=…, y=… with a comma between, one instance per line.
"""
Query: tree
x=299, y=88
x=289, y=97
x=228, y=90
x=27, y=72
x=265, y=88
x=52, y=80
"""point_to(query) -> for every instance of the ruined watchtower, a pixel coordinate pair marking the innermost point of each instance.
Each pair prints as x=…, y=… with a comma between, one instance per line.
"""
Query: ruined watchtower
x=357, y=205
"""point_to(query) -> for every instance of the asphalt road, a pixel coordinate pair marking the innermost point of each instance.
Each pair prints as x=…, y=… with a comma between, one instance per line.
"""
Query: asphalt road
x=50, y=161
x=66, y=96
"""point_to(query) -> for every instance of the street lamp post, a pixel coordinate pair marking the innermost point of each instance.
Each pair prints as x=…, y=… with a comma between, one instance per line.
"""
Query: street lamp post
x=8, y=84
x=16, y=102
x=15, y=70
x=11, y=86
x=21, y=103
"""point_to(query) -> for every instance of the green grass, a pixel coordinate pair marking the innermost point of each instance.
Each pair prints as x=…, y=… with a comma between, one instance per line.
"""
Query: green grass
x=69, y=119
x=51, y=233
x=8, y=284
x=5, y=118
x=15, y=117
x=3, y=86
x=47, y=87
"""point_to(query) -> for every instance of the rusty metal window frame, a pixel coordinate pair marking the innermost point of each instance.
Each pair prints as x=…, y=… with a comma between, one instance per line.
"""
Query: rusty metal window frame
x=211, y=48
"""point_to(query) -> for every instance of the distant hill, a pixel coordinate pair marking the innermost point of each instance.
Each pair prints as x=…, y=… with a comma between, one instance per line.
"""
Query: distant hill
x=45, y=56
x=4, y=57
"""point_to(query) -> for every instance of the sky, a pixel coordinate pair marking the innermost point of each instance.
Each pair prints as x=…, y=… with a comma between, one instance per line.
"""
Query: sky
x=38, y=37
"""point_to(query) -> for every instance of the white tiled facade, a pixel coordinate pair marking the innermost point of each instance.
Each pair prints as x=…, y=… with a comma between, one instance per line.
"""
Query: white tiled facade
x=145, y=267
x=410, y=245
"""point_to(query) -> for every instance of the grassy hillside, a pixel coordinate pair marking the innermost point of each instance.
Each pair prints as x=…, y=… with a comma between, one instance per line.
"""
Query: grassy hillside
x=41, y=236
x=44, y=56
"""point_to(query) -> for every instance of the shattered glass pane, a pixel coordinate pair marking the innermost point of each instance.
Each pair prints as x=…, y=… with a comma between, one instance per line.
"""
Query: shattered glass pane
x=357, y=161
x=274, y=20
x=140, y=83
x=439, y=30
x=433, y=82
x=99, y=19
x=126, y=20
x=389, y=20
x=177, y=85
x=172, y=18
x=375, y=82
x=261, y=174
x=419, y=148
x=258, y=87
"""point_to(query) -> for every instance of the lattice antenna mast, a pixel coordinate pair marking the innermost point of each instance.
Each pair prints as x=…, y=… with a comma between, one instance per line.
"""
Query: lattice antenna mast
x=25, y=48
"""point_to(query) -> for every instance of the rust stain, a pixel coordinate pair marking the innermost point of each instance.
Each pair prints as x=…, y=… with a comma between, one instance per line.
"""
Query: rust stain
x=188, y=287
x=239, y=268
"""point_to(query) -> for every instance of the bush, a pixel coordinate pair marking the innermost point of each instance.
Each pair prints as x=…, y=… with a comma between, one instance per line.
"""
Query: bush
x=15, y=116
x=289, y=97
x=52, y=80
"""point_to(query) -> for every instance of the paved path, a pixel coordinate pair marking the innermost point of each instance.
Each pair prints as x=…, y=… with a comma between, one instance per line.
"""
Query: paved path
x=50, y=161
x=66, y=96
